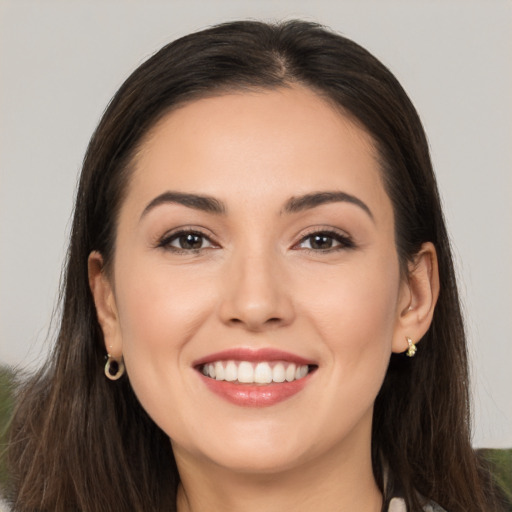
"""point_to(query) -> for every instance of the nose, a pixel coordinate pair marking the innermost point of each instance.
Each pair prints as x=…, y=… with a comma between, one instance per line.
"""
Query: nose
x=255, y=293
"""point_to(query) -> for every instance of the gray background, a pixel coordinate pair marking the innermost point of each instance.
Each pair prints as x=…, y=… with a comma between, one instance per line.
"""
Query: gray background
x=61, y=61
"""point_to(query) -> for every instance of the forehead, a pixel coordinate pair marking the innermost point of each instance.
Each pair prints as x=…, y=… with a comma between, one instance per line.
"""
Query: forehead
x=256, y=145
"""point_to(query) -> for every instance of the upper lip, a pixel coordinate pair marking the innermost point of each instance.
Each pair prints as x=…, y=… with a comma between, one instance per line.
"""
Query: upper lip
x=253, y=355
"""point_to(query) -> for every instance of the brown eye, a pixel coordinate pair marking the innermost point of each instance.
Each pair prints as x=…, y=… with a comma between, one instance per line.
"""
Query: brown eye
x=190, y=241
x=186, y=241
x=321, y=242
x=325, y=241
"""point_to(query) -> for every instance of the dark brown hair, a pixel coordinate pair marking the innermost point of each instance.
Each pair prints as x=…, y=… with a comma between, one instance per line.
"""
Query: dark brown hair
x=81, y=442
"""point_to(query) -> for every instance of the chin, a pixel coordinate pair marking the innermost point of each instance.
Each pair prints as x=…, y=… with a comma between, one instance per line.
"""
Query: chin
x=259, y=461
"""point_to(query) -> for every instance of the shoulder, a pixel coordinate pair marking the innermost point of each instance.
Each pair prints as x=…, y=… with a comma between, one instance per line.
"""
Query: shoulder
x=398, y=505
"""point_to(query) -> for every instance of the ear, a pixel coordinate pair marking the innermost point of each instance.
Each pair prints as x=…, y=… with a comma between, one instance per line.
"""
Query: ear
x=104, y=300
x=418, y=298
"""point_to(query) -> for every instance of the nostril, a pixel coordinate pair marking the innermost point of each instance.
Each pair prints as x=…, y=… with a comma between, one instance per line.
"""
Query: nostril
x=270, y=321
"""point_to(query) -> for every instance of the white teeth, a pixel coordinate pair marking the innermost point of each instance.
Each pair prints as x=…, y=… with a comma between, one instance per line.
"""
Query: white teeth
x=231, y=372
x=219, y=371
x=303, y=371
x=278, y=373
x=254, y=373
x=245, y=372
x=263, y=373
x=290, y=373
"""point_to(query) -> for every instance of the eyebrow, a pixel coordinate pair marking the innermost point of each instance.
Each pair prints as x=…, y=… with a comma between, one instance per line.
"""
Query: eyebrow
x=293, y=205
x=197, y=202
x=308, y=201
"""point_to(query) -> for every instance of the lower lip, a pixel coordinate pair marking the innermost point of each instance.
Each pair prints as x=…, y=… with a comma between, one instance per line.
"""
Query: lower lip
x=252, y=395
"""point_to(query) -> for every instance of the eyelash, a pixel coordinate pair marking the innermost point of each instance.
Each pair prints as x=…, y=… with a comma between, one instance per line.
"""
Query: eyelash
x=165, y=242
x=344, y=241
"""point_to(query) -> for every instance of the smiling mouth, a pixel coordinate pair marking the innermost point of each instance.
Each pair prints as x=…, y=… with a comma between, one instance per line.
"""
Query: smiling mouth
x=255, y=378
x=263, y=372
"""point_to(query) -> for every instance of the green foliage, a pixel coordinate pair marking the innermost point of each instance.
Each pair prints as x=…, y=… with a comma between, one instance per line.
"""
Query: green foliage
x=501, y=467
x=6, y=407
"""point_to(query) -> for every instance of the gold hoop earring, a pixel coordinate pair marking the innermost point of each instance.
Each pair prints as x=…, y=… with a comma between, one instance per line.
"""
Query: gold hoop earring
x=114, y=369
x=412, y=348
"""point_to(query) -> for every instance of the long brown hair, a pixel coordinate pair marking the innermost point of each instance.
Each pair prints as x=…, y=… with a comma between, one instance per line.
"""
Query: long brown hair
x=82, y=442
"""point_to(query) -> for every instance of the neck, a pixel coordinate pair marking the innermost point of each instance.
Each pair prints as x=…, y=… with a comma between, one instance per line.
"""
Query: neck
x=336, y=482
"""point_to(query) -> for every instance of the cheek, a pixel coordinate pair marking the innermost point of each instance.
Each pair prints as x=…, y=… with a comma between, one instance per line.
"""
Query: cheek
x=356, y=305
x=157, y=307
x=355, y=313
x=159, y=313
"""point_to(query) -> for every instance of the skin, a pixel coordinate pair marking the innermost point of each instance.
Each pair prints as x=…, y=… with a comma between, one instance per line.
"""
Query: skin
x=258, y=283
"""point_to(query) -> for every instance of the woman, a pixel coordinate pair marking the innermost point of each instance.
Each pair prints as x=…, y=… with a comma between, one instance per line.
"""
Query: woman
x=257, y=248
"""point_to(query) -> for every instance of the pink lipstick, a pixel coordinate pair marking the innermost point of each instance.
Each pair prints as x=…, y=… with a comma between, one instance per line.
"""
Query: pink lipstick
x=255, y=378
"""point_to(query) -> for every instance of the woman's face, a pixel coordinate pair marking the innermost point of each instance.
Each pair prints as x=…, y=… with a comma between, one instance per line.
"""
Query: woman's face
x=256, y=246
